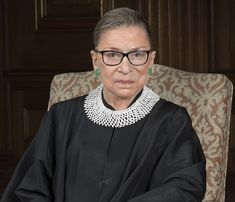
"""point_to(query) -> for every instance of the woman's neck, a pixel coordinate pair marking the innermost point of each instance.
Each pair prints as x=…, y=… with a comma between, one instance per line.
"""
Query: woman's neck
x=117, y=103
x=120, y=103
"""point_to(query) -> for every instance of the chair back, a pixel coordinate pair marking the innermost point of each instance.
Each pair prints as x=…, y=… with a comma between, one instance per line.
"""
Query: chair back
x=207, y=97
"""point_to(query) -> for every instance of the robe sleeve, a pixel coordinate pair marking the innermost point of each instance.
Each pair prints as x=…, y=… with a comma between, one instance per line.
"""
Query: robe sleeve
x=180, y=175
x=31, y=180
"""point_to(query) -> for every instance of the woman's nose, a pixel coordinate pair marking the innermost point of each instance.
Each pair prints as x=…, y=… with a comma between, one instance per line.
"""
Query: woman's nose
x=125, y=66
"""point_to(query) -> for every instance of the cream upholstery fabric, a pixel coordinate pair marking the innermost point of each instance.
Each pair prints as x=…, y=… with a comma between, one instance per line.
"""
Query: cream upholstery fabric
x=207, y=97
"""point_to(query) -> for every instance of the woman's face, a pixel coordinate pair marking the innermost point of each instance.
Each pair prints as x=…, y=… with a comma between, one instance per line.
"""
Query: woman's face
x=125, y=80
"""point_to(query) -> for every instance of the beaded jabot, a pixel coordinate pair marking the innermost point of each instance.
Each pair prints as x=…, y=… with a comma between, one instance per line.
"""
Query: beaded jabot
x=98, y=113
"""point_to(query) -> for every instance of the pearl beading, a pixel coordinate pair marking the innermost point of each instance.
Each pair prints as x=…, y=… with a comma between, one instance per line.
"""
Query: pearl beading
x=101, y=115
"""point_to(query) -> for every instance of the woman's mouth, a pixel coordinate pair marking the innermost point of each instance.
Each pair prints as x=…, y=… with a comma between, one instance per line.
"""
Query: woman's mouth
x=125, y=83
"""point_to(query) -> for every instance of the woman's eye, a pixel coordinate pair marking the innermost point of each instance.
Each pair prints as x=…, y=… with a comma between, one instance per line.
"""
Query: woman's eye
x=138, y=54
x=112, y=54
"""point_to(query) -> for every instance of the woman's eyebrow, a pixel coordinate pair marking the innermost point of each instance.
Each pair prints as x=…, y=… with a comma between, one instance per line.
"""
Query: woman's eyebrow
x=125, y=51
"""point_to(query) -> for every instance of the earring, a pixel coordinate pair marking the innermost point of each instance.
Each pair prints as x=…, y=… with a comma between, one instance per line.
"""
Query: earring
x=150, y=71
x=97, y=72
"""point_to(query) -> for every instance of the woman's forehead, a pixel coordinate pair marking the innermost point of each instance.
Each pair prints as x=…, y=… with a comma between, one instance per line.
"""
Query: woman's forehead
x=132, y=35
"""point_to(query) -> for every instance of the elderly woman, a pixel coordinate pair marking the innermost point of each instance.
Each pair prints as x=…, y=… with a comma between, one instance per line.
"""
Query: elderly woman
x=119, y=143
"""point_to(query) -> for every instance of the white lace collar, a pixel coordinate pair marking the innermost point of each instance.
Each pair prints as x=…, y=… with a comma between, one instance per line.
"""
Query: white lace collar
x=98, y=113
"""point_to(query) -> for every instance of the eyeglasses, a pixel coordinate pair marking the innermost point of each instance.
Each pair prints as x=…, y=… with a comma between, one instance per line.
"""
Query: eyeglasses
x=113, y=58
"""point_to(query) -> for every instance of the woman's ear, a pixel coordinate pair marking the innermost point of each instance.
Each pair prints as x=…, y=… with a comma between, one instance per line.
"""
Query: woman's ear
x=152, y=58
x=94, y=58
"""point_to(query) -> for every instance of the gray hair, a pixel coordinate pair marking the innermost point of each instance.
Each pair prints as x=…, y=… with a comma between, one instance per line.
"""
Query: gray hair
x=117, y=18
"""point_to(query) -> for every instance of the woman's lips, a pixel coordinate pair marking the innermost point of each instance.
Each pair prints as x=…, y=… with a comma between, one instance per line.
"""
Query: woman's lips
x=124, y=82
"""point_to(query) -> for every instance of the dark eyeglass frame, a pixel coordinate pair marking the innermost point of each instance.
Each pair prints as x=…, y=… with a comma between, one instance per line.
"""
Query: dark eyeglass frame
x=123, y=55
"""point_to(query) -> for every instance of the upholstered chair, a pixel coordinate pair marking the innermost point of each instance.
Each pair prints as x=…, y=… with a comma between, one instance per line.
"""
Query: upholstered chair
x=207, y=97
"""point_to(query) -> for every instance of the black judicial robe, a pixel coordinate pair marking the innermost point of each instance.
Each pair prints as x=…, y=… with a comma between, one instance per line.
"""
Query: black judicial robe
x=71, y=159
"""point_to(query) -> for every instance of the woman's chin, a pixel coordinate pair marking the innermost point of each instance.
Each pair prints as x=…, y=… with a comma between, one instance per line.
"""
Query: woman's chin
x=126, y=93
